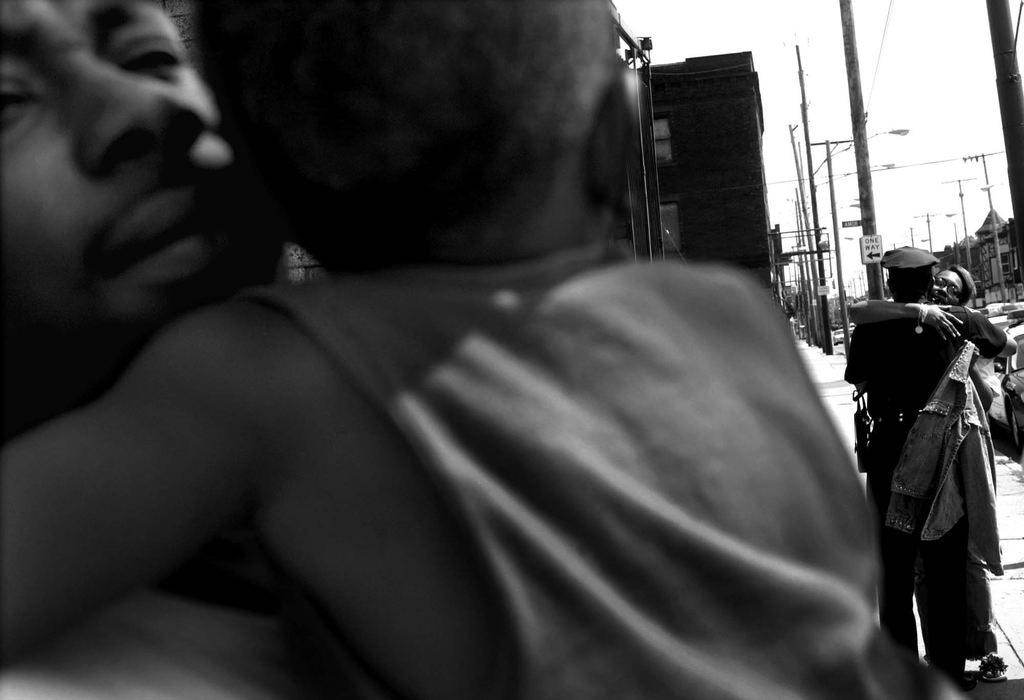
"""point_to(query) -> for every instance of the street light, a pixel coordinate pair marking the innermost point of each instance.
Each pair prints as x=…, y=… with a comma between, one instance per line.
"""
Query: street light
x=928, y=220
x=891, y=132
x=963, y=215
x=956, y=241
x=835, y=223
x=844, y=313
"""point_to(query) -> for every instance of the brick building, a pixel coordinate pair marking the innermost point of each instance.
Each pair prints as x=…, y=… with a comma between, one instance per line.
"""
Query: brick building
x=183, y=12
x=708, y=125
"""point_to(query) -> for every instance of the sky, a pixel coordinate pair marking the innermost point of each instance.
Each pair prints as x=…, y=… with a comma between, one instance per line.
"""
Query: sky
x=925, y=65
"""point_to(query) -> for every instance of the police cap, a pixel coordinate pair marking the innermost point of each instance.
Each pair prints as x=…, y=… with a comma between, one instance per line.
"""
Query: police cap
x=907, y=258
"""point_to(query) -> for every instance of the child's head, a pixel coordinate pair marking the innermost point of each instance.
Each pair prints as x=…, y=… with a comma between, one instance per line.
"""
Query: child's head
x=116, y=204
x=384, y=124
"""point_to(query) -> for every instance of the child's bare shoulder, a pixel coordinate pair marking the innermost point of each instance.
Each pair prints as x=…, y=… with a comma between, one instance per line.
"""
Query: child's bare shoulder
x=235, y=347
x=231, y=373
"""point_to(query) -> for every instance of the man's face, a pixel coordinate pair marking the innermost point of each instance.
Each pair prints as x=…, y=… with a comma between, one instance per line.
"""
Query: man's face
x=117, y=197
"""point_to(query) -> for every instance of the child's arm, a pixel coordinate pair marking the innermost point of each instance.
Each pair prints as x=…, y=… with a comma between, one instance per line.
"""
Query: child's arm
x=876, y=310
x=231, y=414
x=118, y=493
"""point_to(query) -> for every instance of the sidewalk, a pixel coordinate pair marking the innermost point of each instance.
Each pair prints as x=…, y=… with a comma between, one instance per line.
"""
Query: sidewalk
x=1007, y=590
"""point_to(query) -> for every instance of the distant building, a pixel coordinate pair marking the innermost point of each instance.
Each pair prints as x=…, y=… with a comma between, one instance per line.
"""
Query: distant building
x=708, y=126
x=986, y=268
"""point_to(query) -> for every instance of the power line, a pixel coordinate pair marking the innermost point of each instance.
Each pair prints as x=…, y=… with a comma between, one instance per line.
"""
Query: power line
x=671, y=239
x=878, y=61
x=1016, y=32
x=875, y=170
x=697, y=73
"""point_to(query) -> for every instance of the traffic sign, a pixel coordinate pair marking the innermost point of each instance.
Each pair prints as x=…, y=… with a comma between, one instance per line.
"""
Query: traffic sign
x=852, y=224
x=822, y=290
x=870, y=249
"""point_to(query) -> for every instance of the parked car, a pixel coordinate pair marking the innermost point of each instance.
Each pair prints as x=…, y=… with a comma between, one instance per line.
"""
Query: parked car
x=1007, y=410
x=838, y=341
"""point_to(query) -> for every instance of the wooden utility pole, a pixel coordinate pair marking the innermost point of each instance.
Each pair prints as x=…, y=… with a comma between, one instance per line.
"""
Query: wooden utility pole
x=843, y=312
x=1011, y=107
x=860, y=144
x=826, y=326
x=805, y=260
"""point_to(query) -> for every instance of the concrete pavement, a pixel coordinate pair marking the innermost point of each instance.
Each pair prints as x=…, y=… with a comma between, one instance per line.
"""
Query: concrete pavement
x=1007, y=590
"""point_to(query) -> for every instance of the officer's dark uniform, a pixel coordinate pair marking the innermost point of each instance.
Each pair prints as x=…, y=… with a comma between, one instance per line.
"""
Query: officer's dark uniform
x=901, y=362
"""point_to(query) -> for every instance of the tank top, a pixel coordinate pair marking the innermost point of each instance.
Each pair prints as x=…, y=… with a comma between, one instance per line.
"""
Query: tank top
x=643, y=467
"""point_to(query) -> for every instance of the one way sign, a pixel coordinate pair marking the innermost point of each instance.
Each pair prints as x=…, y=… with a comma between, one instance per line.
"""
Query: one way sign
x=870, y=249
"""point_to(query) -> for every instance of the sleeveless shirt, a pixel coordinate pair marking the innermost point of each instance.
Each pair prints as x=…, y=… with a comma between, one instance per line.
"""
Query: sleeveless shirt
x=643, y=465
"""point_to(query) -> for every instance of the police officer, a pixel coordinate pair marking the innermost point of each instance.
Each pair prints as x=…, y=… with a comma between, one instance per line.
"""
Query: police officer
x=899, y=362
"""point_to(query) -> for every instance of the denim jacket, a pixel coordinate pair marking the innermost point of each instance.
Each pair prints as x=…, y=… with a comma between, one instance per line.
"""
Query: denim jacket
x=947, y=467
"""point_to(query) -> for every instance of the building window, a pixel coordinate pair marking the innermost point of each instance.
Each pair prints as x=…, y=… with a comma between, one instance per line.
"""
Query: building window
x=662, y=140
x=671, y=240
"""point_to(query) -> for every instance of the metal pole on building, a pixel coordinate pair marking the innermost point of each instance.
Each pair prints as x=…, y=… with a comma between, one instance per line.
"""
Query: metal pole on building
x=876, y=285
x=643, y=162
x=646, y=46
x=826, y=326
x=1011, y=106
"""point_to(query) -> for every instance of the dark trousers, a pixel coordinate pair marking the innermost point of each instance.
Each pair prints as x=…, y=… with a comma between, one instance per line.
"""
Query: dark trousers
x=945, y=565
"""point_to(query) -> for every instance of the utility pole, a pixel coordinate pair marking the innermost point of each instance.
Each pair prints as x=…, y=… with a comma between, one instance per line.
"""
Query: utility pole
x=805, y=298
x=860, y=144
x=774, y=234
x=928, y=220
x=992, y=225
x=1011, y=106
x=844, y=313
x=826, y=326
x=963, y=216
x=812, y=336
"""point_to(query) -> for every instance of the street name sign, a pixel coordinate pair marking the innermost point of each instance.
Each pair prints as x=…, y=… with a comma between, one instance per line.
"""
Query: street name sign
x=870, y=249
x=852, y=224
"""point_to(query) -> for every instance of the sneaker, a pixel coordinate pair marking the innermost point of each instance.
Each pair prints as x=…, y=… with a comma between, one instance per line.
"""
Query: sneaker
x=992, y=669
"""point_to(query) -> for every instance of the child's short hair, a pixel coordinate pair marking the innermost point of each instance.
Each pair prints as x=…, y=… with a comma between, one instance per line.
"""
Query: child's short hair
x=382, y=122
